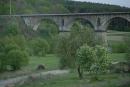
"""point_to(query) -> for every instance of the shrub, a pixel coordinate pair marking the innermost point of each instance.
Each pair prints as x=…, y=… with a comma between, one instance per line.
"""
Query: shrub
x=17, y=59
x=102, y=59
x=62, y=51
x=39, y=47
x=12, y=53
x=94, y=60
x=85, y=58
x=12, y=27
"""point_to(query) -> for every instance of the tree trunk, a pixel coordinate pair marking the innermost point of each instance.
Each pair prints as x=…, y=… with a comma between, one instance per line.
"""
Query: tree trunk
x=80, y=72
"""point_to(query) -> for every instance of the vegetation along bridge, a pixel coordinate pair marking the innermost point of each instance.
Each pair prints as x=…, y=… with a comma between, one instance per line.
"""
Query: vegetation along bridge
x=99, y=21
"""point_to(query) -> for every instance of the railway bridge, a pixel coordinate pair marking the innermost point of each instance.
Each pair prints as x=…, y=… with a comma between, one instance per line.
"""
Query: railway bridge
x=99, y=21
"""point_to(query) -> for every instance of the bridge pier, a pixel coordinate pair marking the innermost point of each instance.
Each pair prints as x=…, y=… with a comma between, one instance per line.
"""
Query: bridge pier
x=101, y=37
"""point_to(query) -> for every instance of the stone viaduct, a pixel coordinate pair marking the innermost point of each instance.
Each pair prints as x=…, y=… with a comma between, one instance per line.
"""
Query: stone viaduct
x=99, y=21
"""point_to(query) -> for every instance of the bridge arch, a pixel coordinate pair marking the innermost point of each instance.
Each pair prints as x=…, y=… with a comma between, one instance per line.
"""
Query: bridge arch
x=108, y=21
x=47, y=27
x=51, y=21
x=84, y=21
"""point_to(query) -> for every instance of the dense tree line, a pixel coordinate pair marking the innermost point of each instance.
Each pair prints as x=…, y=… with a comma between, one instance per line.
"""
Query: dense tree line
x=4, y=7
x=83, y=7
x=56, y=6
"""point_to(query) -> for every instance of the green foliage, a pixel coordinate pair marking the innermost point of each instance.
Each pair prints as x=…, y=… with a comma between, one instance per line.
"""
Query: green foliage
x=92, y=59
x=62, y=51
x=4, y=7
x=12, y=28
x=17, y=59
x=86, y=57
x=69, y=43
x=128, y=55
x=47, y=29
x=57, y=6
x=12, y=53
x=127, y=41
x=102, y=59
x=39, y=47
x=118, y=47
x=9, y=26
x=84, y=7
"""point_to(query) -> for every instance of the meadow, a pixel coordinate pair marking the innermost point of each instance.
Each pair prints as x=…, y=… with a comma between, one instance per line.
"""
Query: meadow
x=51, y=62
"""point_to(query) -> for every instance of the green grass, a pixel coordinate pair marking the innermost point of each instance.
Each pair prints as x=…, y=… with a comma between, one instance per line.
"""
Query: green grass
x=117, y=57
x=71, y=80
x=116, y=35
x=50, y=62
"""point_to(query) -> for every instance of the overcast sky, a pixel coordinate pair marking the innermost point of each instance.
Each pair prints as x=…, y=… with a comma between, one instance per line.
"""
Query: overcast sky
x=125, y=3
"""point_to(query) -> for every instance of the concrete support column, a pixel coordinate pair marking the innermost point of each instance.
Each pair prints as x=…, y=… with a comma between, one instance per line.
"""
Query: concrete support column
x=64, y=29
x=101, y=37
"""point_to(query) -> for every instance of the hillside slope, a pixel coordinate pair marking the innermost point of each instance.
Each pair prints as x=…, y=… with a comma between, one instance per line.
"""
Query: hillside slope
x=56, y=6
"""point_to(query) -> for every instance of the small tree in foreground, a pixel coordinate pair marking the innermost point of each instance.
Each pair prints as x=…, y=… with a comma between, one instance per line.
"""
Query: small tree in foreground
x=68, y=44
x=93, y=60
x=102, y=60
x=85, y=58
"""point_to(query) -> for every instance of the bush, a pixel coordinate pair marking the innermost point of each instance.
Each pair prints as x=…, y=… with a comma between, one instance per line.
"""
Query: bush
x=12, y=53
x=17, y=59
x=102, y=59
x=85, y=59
x=39, y=47
x=94, y=60
x=62, y=51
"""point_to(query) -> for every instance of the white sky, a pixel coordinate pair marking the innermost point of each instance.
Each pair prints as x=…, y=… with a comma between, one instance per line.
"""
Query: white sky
x=125, y=3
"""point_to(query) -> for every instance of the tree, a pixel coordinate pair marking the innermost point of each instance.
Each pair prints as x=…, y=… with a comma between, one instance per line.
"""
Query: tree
x=17, y=59
x=13, y=53
x=102, y=60
x=85, y=58
x=39, y=47
x=4, y=6
x=68, y=44
x=92, y=59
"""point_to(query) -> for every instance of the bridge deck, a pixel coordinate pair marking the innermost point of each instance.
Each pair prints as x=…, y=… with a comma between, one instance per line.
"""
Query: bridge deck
x=70, y=14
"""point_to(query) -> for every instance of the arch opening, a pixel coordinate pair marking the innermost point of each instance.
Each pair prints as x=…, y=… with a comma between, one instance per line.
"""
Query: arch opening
x=47, y=28
x=119, y=24
x=118, y=28
x=83, y=23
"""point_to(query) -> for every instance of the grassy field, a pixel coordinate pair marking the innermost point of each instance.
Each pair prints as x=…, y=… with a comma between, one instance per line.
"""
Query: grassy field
x=72, y=80
x=117, y=57
x=50, y=62
x=116, y=35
